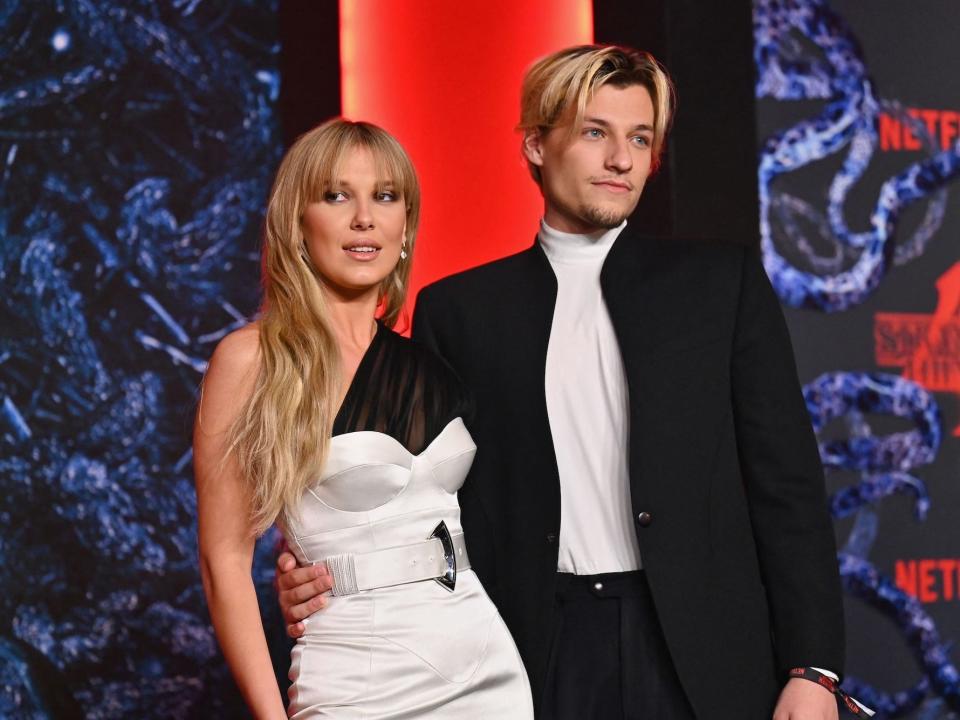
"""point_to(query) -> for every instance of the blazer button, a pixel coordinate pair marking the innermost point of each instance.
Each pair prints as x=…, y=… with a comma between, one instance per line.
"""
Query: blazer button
x=551, y=538
x=644, y=519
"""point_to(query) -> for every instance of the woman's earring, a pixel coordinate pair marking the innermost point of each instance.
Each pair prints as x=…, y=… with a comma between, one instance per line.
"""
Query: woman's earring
x=403, y=250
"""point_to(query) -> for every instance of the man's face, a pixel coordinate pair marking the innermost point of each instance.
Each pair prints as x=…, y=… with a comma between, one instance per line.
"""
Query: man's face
x=593, y=180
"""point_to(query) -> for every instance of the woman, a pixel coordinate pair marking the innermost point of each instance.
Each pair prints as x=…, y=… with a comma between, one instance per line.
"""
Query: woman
x=351, y=438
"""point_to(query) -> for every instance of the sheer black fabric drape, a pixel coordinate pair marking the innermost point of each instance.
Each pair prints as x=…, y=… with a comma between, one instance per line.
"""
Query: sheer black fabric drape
x=403, y=390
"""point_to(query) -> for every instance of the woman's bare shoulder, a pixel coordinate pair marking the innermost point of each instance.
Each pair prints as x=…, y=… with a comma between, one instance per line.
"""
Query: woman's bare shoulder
x=230, y=378
x=237, y=353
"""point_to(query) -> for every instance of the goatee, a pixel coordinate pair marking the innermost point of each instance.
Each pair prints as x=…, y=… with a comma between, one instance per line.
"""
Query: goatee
x=606, y=219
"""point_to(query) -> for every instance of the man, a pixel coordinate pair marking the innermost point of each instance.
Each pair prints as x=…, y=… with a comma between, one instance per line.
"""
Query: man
x=647, y=507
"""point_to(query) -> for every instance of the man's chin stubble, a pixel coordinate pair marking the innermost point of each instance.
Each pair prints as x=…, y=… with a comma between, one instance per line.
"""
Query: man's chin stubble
x=598, y=217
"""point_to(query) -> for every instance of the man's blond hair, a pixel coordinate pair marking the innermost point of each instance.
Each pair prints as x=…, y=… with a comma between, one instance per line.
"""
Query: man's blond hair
x=557, y=88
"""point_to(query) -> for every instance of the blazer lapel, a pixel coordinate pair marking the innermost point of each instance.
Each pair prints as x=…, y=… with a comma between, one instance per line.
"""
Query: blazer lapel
x=524, y=316
x=675, y=368
x=536, y=298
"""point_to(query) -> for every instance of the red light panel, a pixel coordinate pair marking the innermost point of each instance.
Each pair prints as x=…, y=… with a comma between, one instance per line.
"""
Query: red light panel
x=444, y=78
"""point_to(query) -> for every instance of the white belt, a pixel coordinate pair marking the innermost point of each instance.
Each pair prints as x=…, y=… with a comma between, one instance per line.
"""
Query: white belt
x=439, y=558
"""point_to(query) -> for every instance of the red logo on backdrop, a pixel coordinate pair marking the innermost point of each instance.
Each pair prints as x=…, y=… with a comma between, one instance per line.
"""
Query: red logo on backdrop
x=929, y=580
x=927, y=347
x=943, y=126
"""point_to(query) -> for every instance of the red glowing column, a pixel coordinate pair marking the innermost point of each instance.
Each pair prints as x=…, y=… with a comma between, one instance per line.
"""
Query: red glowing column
x=444, y=78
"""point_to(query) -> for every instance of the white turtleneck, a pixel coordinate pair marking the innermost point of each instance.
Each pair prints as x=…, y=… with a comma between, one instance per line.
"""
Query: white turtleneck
x=588, y=408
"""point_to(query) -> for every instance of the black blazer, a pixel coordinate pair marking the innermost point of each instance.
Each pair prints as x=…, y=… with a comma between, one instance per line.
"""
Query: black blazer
x=726, y=484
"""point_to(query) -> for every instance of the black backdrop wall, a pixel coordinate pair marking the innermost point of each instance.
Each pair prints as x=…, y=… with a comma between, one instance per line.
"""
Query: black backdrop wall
x=707, y=185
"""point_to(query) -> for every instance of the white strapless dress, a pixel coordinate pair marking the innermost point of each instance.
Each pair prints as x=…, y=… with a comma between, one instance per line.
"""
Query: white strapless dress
x=409, y=651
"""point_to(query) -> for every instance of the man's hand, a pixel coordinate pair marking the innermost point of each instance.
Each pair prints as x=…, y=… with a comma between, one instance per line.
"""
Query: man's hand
x=805, y=700
x=299, y=591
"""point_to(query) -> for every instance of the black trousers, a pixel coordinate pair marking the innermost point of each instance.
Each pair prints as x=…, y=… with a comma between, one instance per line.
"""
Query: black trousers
x=608, y=657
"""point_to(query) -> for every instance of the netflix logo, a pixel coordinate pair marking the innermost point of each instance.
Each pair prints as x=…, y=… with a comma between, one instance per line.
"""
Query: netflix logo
x=942, y=125
x=929, y=580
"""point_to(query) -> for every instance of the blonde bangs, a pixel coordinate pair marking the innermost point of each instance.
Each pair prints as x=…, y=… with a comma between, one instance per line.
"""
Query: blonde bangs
x=393, y=168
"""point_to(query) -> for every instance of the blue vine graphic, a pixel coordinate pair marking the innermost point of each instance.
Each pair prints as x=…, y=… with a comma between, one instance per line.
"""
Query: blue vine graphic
x=852, y=269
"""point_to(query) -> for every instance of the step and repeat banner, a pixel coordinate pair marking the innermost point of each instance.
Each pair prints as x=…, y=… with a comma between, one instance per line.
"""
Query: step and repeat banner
x=859, y=157
x=137, y=144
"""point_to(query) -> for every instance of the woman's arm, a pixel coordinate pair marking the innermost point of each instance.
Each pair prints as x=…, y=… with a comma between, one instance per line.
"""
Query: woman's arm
x=225, y=535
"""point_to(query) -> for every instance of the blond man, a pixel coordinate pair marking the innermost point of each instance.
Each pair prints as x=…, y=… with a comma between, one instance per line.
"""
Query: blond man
x=647, y=506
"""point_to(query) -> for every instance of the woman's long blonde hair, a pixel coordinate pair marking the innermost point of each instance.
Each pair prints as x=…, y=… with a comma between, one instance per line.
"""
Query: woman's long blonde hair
x=282, y=435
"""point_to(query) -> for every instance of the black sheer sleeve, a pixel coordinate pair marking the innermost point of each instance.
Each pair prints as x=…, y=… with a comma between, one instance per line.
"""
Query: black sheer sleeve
x=403, y=390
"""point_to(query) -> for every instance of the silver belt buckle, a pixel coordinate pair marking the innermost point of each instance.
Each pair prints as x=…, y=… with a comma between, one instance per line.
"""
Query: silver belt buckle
x=449, y=577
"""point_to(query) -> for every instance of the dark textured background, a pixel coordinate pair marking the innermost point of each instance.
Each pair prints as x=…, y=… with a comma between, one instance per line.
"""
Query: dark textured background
x=137, y=143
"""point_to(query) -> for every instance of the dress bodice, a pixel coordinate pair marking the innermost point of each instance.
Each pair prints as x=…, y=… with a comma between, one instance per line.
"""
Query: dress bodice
x=399, y=453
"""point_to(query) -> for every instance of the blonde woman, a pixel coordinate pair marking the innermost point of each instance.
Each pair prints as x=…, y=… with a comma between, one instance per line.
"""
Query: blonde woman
x=320, y=418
